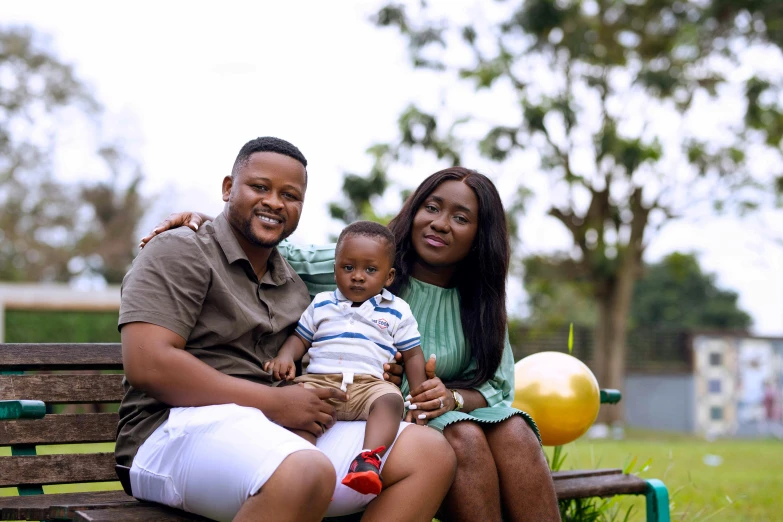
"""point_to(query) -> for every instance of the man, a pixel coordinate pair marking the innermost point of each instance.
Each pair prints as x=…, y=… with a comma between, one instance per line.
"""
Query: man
x=201, y=427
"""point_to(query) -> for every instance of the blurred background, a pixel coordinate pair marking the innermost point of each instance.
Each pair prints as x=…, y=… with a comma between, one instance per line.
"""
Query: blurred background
x=637, y=147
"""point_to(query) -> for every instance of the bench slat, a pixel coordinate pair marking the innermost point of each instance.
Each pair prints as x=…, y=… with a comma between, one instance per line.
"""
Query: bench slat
x=37, y=507
x=136, y=513
x=601, y=486
x=98, y=356
x=61, y=429
x=57, y=469
x=561, y=475
x=62, y=388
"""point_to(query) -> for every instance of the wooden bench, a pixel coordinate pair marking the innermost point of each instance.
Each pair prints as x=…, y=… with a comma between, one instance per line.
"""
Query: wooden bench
x=55, y=379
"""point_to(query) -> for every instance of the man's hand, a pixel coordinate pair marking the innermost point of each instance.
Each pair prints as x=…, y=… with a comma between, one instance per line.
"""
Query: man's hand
x=300, y=408
x=281, y=367
x=393, y=372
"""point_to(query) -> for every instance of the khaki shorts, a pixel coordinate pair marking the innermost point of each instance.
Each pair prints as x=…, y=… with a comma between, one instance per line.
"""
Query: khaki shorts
x=362, y=393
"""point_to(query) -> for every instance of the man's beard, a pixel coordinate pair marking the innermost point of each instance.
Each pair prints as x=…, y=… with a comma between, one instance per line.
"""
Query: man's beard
x=246, y=227
x=247, y=231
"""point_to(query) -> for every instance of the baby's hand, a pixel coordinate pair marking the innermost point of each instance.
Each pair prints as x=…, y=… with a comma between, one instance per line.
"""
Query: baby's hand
x=281, y=367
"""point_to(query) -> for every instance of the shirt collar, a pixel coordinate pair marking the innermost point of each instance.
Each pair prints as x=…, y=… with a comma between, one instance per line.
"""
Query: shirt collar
x=385, y=295
x=277, y=271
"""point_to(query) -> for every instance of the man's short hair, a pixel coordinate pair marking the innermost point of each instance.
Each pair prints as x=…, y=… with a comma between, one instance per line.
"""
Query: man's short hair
x=267, y=144
x=369, y=229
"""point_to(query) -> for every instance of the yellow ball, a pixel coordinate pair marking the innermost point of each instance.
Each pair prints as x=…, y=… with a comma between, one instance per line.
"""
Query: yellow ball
x=560, y=393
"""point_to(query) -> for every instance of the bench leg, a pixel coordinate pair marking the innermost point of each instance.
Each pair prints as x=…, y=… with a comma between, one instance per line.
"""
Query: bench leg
x=657, y=501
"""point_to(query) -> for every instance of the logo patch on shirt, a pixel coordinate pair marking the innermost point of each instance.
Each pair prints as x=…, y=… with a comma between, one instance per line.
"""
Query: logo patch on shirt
x=382, y=323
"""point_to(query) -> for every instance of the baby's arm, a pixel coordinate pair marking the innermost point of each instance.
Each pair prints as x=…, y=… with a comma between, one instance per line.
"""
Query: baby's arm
x=414, y=367
x=282, y=366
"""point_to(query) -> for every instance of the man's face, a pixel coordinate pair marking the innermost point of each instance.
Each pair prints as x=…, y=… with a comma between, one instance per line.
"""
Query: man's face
x=265, y=198
x=362, y=267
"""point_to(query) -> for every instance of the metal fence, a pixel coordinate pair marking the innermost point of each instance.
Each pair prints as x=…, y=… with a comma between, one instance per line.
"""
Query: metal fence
x=650, y=350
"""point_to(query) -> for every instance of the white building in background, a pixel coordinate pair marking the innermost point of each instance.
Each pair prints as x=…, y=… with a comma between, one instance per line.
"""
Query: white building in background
x=733, y=388
x=61, y=297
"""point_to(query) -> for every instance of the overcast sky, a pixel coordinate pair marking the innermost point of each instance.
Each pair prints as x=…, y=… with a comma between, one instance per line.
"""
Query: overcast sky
x=185, y=84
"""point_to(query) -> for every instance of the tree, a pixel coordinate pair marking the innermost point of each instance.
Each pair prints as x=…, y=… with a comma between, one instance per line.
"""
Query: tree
x=109, y=243
x=673, y=294
x=362, y=192
x=676, y=294
x=606, y=91
x=46, y=224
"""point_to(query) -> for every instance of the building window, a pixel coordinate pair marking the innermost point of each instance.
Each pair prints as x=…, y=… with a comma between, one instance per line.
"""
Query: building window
x=714, y=385
x=716, y=413
x=716, y=359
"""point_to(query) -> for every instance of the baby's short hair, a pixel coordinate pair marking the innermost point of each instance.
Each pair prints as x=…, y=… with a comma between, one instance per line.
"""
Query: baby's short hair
x=369, y=229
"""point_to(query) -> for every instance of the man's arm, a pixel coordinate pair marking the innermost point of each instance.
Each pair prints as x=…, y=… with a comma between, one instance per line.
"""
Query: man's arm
x=155, y=361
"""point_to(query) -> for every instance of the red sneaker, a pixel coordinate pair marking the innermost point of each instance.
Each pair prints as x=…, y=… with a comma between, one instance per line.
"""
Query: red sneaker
x=364, y=475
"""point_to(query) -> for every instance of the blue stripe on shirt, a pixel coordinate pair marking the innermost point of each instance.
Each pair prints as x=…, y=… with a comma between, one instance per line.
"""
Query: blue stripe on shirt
x=353, y=335
x=389, y=311
x=304, y=332
x=409, y=343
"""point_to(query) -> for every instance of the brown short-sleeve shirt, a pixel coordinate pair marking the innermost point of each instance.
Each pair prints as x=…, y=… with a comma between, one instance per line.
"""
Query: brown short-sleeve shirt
x=201, y=286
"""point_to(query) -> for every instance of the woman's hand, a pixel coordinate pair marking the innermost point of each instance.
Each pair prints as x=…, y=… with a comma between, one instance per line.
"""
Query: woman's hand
x=191, y=220
x=431, y=399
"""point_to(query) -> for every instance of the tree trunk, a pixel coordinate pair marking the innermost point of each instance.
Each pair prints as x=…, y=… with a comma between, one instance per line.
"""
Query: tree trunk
x=611, y=332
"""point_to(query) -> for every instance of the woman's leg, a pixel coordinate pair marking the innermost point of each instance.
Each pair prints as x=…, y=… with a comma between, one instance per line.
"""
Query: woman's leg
x=526, y=486
x=475, y=493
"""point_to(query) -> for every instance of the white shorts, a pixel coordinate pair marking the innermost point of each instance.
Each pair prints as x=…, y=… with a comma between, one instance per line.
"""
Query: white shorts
x=209, y=460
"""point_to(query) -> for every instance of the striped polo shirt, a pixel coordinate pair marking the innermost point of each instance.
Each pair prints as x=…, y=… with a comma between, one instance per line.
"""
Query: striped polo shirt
x=356, y=339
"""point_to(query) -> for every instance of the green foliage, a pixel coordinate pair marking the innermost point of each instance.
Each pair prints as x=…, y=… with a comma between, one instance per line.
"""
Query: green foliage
x=46, y=224
x=608, y=54
x=587, y=85
x=555, y=295
x=673, y=294
x=27, y=326
x=676, y=294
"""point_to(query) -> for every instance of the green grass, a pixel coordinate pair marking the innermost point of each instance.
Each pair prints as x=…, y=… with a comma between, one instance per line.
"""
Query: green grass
x=747, y=486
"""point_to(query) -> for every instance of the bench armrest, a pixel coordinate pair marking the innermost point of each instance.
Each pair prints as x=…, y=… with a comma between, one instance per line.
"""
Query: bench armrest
x=610, y=396
x=22, y=410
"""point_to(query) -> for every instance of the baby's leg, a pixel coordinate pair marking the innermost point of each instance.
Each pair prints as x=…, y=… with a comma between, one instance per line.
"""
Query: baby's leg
x=383, y=421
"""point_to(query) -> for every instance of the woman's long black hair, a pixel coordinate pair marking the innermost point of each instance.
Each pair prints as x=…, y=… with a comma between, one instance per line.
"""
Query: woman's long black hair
x=480, y=278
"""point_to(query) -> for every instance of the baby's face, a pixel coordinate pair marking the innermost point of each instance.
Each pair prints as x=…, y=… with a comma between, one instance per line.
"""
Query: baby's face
x=362, y=267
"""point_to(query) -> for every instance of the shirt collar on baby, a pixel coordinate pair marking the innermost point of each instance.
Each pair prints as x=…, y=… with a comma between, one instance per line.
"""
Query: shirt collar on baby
x=385, y=295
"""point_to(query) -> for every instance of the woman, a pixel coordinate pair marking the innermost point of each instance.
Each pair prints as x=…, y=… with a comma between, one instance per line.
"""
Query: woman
x=452, y=263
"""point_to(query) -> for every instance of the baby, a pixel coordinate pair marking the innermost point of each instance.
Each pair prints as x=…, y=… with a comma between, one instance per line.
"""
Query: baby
x=349, y=335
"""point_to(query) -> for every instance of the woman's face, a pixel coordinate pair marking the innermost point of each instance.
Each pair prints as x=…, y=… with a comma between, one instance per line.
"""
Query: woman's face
x=445, y=225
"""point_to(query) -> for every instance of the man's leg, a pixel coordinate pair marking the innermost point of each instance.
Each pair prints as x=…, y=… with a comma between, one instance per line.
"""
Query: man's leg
x=526, y=486
x=278, y=500
x=416, y=477
x=211, y=460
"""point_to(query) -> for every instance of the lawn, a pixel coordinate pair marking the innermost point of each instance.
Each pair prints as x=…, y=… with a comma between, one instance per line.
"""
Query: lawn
x=744, y=486
x=744, y=482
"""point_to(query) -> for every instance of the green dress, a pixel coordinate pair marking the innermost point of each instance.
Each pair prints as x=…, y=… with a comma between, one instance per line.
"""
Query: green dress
x=437, y=311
